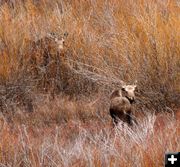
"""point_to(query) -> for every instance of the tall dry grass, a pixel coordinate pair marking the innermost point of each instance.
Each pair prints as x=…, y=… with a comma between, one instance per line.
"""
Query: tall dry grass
x=43, y=139
x=108, y=42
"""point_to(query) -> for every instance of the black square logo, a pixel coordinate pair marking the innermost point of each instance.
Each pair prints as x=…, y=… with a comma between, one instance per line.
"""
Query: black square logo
x=172, y=159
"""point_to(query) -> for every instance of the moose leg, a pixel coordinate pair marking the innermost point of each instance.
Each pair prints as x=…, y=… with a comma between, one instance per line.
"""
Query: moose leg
x=113, y=116
x=129, y=118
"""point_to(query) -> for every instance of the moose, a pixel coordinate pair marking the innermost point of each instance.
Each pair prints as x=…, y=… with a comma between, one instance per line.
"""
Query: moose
x=45, y=59
x=121, y=102
x=47, y=47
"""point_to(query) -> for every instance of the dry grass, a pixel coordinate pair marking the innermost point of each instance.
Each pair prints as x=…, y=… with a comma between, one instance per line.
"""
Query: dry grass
x=64, y=132
x=42, y=138
x=108, y=42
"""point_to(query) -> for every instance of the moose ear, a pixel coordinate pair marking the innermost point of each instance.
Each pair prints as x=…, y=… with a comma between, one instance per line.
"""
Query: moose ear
x=56, y=40
x=51, y=35
x=134, y=87
x=66, y=34
x=135, y=82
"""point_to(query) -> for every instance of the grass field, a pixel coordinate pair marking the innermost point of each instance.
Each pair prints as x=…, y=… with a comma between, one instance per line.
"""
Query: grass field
x=54, y=105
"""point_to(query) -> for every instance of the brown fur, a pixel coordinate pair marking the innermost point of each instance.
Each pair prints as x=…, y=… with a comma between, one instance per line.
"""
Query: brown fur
x=121, y=106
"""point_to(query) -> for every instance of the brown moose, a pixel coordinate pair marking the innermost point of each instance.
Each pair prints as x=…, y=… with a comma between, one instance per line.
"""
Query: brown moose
x=121, y=104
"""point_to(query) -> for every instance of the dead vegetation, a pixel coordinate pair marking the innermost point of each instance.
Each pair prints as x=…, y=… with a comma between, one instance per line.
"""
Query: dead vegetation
x=44, y=139
x=107, y=43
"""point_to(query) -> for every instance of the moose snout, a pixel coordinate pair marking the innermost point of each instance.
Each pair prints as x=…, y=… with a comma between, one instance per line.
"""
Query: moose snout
x=132, y=99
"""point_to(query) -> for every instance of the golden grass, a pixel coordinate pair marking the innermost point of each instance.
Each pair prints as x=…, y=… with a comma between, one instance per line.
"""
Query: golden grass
x=123, y=40
x=132, y=40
